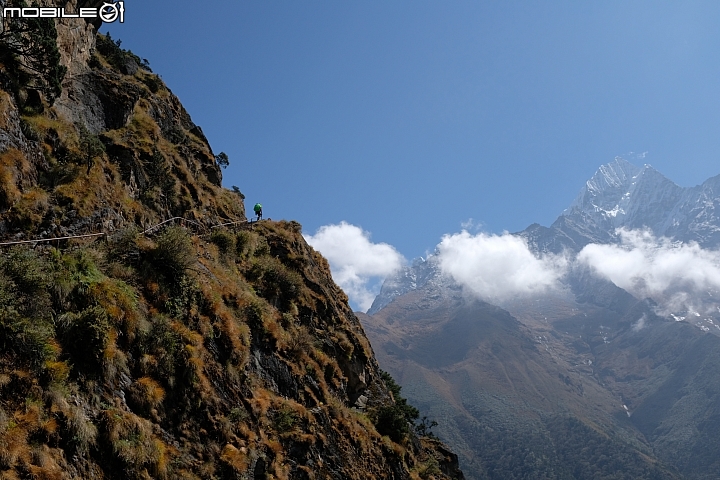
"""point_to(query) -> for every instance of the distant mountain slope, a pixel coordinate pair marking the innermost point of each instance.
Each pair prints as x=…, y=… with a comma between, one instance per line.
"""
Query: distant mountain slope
x=583, y=376
x=517, y=395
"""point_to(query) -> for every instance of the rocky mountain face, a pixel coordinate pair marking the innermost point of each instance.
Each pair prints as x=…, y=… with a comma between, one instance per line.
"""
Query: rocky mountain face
x=190, y=350
x=622, y=195
x=584, y=382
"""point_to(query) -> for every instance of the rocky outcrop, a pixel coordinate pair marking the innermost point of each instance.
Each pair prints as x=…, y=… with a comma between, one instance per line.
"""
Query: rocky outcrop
x=160, y=163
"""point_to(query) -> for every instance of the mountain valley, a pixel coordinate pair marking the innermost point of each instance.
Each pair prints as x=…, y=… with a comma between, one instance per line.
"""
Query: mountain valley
x=582, y=381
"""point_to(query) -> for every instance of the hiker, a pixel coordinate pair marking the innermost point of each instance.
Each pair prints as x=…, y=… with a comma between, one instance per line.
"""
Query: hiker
x=258, y=211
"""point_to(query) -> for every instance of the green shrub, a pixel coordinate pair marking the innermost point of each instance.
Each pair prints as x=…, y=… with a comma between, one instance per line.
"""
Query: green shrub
x=222, y=160
x=394, y=420
x=224, y=240
x=253, y=313
x=26, y=269
x=176, y=135
x=90, y=146
x=30, y=56
x=236, y=190
x=249, y=244
x=164, y=344
x=238, y=415
x=153, y=83
x=390, y=420
x=29, y=130
x=133, y=443
x=244, y=244
x=26, y=282
x=123, y=246
x=284, y=420
x=174, y=253
x=85, y=336
x=425, y=426
x=30, y=340
x=274, y=281
x=81, y=272
x=115, y=55
x=161, y=185
x=185, y=293
x=429, y=469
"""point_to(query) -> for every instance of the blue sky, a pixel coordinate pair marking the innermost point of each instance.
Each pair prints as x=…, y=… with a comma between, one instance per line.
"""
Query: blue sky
x=409, y=118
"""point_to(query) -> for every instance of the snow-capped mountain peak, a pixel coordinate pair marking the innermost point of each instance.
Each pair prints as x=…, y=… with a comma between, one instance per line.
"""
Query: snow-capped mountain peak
x=619, y=195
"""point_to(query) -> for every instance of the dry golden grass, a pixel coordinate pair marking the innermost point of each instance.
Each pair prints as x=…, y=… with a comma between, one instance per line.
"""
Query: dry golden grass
x=120, y=301
x=301, y=341
x=31, y=207
x=11, y=163
x=13, y=444
x=133, y=441
x=43, y=124
x=280, y=468
x=237, y=336
x=246, y=430
x=261, y=401
x=9, y=475
x=236, y=458
x=275, y=447
x=341, y=340
x=153, y=393
x=160, y=467
x=58, y=371
x=44, y=466
x=274, y=329
x=89, y=193
x=195, y=356
x=83, y=431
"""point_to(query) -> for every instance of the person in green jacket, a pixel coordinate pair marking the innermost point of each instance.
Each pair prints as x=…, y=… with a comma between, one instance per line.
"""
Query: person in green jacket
x=258, y=211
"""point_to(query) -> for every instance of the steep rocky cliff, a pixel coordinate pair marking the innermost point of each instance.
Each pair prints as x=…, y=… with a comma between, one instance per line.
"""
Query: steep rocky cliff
x=183, y=351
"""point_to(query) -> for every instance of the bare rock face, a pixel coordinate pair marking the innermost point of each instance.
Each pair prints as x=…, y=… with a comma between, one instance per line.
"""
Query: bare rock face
x=101, y=98
x=76, y=42
x=76, y=39
x=22, y=158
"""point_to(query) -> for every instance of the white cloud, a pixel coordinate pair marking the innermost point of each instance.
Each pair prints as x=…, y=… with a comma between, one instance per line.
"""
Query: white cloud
x=498, y=267
x=640, y=324
x=675, y=275
x=471, y=225
x=357, y=264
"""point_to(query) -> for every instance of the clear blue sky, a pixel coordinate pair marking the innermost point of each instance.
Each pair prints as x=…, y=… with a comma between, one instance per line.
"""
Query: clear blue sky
x=407, y=118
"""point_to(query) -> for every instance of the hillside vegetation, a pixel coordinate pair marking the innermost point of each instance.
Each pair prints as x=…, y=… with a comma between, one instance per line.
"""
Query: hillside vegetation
x=183, y=351
x=178, y=356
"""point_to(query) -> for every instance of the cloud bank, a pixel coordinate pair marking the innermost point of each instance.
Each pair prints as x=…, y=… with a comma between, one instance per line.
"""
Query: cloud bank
x=357, y=264
x=498, y=267
x=678, y=276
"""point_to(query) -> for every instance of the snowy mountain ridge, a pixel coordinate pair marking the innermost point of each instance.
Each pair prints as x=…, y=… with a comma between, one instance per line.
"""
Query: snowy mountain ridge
x=619, y=195
x=421, y=272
